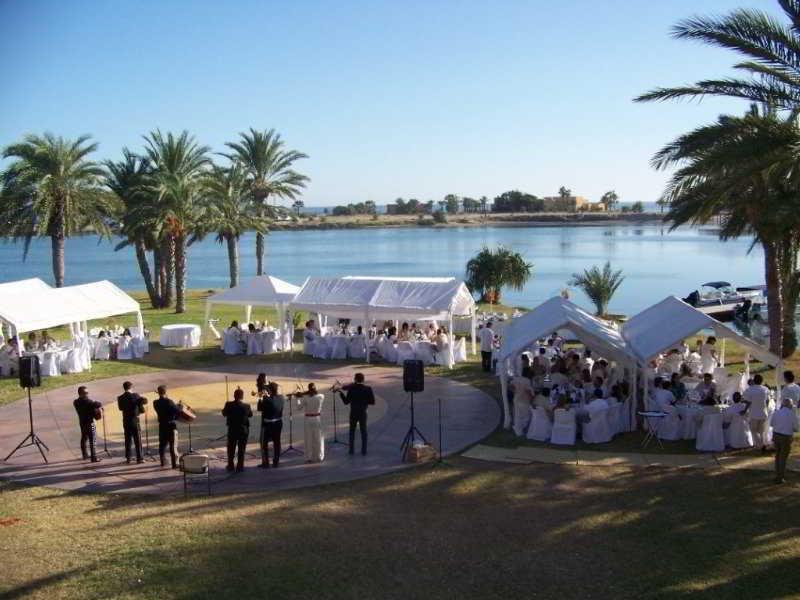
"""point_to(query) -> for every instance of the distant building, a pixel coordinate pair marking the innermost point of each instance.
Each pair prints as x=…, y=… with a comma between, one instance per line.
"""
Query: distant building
x=572, y=204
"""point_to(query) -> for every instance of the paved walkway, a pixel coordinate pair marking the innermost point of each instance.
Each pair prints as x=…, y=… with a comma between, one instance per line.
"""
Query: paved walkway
x=567, y=456
x=469, y=416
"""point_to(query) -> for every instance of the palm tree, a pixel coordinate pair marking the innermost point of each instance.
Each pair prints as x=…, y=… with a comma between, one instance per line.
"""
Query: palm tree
x=770, y=49
x=229, y=212
x=179, y=165
x=484, y=202
x=491, y=270
x=270, y=174
x=610, y=199
x=52, y=189
x=731, y=170
x=564, y=192
x=298, y=205
x=599, y=285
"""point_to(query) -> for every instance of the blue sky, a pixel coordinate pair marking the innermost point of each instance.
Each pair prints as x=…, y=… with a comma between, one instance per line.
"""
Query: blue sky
x=411, y=99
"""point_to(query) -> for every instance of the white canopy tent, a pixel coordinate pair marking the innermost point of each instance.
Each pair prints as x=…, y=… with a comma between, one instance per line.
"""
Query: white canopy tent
x=264, y=290
x=28, y=306
x=371, y=298
x=554, y=314
x=21, y=288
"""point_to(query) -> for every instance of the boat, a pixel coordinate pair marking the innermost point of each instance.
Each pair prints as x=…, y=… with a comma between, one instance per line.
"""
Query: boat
x=719, y=299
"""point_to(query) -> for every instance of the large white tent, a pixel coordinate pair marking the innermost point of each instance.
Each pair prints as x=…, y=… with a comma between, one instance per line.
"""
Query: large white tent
x=554, y=314
x=371, y=298
x=264, y=290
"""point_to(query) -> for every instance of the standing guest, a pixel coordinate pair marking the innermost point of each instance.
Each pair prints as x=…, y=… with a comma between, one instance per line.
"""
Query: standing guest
x=359, y=397
x=271, y=407
x=237, y=417
x=791, y=390
x=88, y=411
x=757, y=395
x=551, y=350
x=522, y=400
x=309, y=334
x=708, y=355
x=784, y=424
x=167, y=411
x=487, y=343
x=131, y=405
x=587, y=362
x=311, y=403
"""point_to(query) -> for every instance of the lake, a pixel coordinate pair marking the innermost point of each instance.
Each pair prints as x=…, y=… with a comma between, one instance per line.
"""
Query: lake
x=656, y=262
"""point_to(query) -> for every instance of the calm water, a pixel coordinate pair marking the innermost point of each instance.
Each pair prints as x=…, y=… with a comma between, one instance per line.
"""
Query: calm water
x=656, y=263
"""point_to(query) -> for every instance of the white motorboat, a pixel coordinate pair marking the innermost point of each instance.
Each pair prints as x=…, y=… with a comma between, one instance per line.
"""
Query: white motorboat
x=719, y=299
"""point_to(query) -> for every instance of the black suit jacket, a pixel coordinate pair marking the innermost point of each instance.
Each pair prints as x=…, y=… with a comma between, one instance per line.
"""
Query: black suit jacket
x=359, y=397
x=131, y=405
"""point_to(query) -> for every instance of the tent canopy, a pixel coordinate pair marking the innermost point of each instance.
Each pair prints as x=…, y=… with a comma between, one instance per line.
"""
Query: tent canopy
x=264, y=290
x=667, y=323
x=385, y=297
x=29, y=306
x=559, y=313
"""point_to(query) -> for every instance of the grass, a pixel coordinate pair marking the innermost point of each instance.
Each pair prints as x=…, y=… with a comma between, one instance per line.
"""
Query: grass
x=474, y=530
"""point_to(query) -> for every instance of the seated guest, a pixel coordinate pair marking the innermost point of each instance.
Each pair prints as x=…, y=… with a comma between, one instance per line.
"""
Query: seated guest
x=597, y=402
x=707, y=389
x=542, y=400
x=251, y=328
x=574, y=365
x=541, y=364
x=392, y=334
x=672, y=362
x=559, y=377
x=677, y=387
x=522, y=399
x=440, y=339
x=33, y=342
x=126, y=333
x=563, y=402
x=309, y=335
x=405, y=333
x=359, y=330
x=662, y=396
x=431, y=332
x=599, y=385
x=615, y=395
x=46, y=341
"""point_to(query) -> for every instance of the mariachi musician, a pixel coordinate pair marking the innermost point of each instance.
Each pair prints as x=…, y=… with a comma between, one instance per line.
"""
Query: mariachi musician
x=359, y=396
x=167, y=412
x=270, y=404
x=311, y=403
x=237, y=415
x=88, y=411
x=131, y=405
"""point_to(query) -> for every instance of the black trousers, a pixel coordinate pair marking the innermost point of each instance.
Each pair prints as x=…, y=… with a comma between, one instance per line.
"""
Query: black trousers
x=132, y=436
x=783, y=447
x=271, y=433
x=237, y=442
x=486, y=361
x=360, y=420
x=87, y=436
x=166, y=437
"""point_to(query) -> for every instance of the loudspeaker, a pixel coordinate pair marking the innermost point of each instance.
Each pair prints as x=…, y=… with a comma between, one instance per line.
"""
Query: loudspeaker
x=30, y=374
x=413, y=376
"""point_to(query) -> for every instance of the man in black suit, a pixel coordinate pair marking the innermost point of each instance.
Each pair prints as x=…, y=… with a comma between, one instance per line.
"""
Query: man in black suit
x=237, y=415
x=271, y=407
x=167, y=412
x=359, y=397
x=88, y=410
x=131, y=405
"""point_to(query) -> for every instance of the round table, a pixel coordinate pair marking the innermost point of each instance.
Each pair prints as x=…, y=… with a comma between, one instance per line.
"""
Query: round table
x=180, y=335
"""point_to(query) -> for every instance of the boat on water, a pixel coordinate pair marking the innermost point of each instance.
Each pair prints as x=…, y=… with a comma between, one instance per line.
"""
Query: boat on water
x=719, y=299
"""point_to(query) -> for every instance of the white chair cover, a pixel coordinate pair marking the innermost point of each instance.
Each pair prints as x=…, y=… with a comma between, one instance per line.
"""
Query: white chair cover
x=738, y=434
x=710, y=437
x=230, y=342
x=140, y=346
x=459, y=350
x=563, y=432
x=597, y=430
x=254, y=345
x=49, y=364
x=540, y=427
x=671, y=427
x=405, y=351
x=320, y=348
x=71, y=361
x=269, y=342
x=5, y=364
x=424, y=352
x=85, y=354
x=309, y=340
x=339, y=347
x=689, y=425
x=102, y=349
x=124, y=348
x=286, y=342
x=358, y=347
x=615, y=415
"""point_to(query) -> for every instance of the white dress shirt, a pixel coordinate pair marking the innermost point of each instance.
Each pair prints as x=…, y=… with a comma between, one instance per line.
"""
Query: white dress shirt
x=784, y=421
x=487, y=339
x=758, y=397
x=792, y=392
x=663, y=398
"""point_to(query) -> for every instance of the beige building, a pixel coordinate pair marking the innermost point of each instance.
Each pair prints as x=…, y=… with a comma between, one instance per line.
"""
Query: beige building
x=571, y=204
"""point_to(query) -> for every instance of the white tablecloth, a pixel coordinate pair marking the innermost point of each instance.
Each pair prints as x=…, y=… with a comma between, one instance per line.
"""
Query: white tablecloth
x=180, y=335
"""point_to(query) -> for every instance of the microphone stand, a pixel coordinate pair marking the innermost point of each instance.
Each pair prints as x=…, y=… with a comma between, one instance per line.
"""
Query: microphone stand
x=147, y=454
x=105, y=437
x=335, y=424
x=290, y=447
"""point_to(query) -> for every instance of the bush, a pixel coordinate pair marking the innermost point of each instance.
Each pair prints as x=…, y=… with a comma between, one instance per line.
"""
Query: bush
x=439, y=217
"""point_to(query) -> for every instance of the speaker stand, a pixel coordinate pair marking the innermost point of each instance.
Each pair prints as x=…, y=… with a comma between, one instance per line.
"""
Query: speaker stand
x=413, y=432
x=31, y=439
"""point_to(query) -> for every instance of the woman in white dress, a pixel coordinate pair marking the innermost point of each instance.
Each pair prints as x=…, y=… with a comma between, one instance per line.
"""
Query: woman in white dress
x=708, y=356
x=314, y=441
x=523, y=397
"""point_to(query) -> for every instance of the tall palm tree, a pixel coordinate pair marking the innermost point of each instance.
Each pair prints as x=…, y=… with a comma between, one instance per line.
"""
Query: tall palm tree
x=610, y=199
x=129, y=180
x=179, y=165
x=270, y=174
x=743, y=171
x=599, y=285
x=769, y=47
x=52, y=189
x=490, y=270
x=229, y=212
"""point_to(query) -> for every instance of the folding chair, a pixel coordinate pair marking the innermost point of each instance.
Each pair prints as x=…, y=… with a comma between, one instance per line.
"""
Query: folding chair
x=195, y=466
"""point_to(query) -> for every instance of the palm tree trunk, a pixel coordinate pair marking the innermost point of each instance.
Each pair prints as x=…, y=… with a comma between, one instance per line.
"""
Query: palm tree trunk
x=180, y=273
x=158, y=277
x=168, y=257
x=144, y=269
x=259, y=253
x=57, y=245
x=774, y=297
x=233, y=259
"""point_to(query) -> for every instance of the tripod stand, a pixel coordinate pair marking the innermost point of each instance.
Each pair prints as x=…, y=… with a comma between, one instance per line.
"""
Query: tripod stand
x=31, y=439
x=440, y=462
x=290, y=447
x=410, y=438
x=147, y=454
x=105, y=437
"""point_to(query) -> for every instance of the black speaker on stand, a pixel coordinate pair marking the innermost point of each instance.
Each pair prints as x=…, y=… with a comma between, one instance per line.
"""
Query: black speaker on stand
x=30, y=376
x=413, y=381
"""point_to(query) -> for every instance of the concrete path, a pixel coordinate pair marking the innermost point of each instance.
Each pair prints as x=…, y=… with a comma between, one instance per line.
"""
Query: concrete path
x=469, y=416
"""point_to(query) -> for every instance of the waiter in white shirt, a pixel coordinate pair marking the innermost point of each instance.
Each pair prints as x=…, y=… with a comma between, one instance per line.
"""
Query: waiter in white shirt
x=757, y=395
x=791, y=390
x=487, y=342
x=784, y=424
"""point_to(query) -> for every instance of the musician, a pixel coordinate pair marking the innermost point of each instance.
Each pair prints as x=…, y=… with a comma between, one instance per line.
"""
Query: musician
x=167, y=412
x=131, y=405
x=237, y=416
x=88, y=410
x=271, y=407
x=311, y=403
x=359, y=396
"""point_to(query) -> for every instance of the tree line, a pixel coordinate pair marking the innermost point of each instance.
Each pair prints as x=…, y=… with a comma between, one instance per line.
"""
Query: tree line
x=160, y=200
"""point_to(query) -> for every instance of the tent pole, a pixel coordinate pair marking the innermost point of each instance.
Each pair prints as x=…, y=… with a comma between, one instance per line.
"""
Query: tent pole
x=722, y=354
x=747, y=364
x=633, y=396
x=248, y=312
x=365, y=330
x=503, y=394
x=474, y=327
x=206, y=324
x=140, y=322
x=451, y=357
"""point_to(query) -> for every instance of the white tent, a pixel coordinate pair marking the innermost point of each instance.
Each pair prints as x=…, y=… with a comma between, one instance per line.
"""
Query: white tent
x=554, y=314
x=21, y=288
x=28, y=306
x=371, y=298
x=264, y=290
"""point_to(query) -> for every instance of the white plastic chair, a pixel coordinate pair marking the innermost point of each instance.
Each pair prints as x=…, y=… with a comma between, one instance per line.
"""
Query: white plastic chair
x=339, y=348
x=387, y=350
x=615, y=417
x=460, y=350
x=309, y=341
x=670, y=428
x=5, y=365
x=320, y=348
x=102, y=349
x=230, y=343
x=254, y=345
x=738, y=434
x=49, y=364
x=710, y=437
x=424, y=352
x=85, y=354
x=140, y=346
x=405, y=351
x=124, y=348
x=597, y=430
x=540, y=428
x=358, y=347
x=269, y=342
x=689, y=425
x=563, y=432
